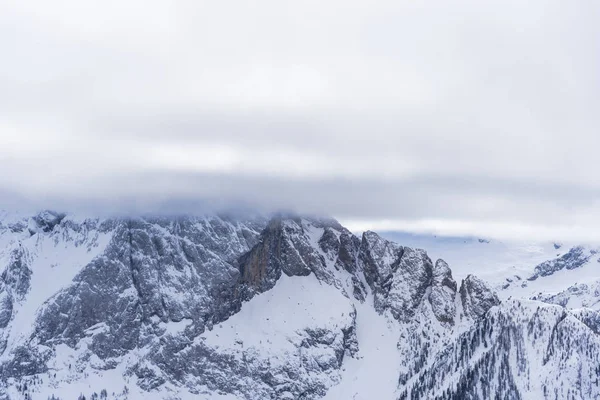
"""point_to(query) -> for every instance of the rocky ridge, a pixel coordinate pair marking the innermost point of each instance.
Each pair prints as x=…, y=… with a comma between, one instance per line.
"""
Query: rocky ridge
x=247, y=308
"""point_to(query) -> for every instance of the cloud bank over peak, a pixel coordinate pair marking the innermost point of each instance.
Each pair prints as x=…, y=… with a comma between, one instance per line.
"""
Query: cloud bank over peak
x=470, y=117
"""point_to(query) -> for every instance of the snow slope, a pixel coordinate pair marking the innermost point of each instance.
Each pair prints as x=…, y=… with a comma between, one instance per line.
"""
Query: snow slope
x=373, y=373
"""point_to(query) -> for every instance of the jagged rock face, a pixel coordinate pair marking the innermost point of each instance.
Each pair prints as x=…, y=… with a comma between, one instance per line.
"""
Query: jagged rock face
x=6, y=307
x=378, y=255
x=6, y=311
x=476, y=297
x=14, y=286
x=282, y=248
x=17, y=275
x=259, y=309
x=346, y=245
x=172, y=270
x=271, y=358
x=399, y=277
x=443, y=292
x=412, y=276
x=103, y=292
x=329, y=241
x=574, y=258
x=442, y=275
x=165, y=268
x=297, y=247
x=195, y=273
x=46, y=221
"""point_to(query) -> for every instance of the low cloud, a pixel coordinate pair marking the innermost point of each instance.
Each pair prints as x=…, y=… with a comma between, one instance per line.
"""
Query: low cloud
x=463, y=118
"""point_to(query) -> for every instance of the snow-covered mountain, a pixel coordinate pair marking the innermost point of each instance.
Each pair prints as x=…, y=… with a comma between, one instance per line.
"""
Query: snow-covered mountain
x=522, y=270
x=284, y=307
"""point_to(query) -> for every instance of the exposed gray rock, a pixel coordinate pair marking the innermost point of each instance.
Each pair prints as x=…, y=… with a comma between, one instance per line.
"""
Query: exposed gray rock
x=164, y=270
x=348, y=252
x=443, y=292
x=476, y=297
x=17, y=275
x=171, y=269
x=195, y=274
x=280, y=248
x=402, y=277
x=329, y=241
x=304, y=375
x=574, y=258
x=377, y=256
x=6, y=307
x=399, y=276
x=46, y=221
x=305, y=372
x=412, y=276
x=299, y=247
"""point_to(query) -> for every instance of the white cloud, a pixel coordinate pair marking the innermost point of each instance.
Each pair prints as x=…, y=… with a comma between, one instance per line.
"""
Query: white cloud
x=463, y=113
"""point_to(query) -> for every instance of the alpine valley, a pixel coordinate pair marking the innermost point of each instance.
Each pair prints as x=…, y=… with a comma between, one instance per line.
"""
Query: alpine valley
x=288, y=307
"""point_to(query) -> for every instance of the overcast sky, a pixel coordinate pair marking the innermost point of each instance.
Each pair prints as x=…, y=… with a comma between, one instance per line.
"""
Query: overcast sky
x=455, y=117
